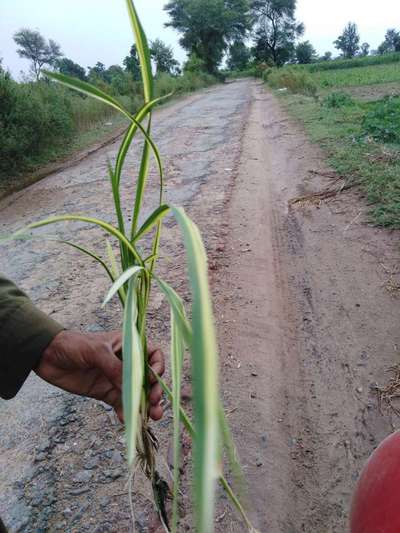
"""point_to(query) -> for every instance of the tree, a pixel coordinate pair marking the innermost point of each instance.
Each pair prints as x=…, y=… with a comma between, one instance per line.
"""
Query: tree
x=239, y=56
x=209, y=26
x=365, y=48
x=276, y=30
x=326, y=57
x=70, y=68
x=132, y=63
x=97, y=72
x=305, y=53
x=163, y=57
x=349, y=41
x=33, y=46
x=391, y=42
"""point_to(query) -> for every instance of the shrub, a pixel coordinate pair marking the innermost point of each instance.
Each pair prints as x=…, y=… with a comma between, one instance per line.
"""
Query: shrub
x=188, y=82
x=34, y=117
x=337, y=99
x=297, y=81
x=382, y=122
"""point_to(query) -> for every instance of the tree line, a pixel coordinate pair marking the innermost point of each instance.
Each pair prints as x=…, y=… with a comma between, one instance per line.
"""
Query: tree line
x=211, y=29
x=243, y=31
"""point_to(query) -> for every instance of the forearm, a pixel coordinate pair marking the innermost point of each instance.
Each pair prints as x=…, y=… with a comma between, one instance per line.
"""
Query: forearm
x=25, y=332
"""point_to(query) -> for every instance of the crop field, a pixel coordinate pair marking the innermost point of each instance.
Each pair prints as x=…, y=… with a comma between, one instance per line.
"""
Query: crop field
x=356, y=76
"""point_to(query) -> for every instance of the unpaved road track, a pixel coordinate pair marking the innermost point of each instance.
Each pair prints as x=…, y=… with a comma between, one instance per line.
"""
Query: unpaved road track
x=306, y=324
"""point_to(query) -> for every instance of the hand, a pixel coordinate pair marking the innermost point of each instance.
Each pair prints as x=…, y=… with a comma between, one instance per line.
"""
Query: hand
x=88, y=365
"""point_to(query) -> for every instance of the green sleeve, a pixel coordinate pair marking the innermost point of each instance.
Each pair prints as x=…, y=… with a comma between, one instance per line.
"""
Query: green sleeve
x=25, y=332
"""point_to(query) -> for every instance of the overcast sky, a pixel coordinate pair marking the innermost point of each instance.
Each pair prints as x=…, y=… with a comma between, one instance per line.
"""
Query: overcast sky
x=97, y=30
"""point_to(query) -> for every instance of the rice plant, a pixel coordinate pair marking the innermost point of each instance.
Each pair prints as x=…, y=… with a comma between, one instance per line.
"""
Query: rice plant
x=132, y=282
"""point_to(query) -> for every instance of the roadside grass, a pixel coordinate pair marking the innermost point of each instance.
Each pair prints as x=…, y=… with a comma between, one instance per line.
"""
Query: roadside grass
x=352, y=136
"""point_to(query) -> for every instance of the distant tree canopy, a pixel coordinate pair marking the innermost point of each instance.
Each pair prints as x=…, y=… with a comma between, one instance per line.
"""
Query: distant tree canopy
x=163, y=57
x=326, y=57
x=364, y=50
x=132, y=63
x=70, y=68
x=97, y=71
x=209, y=26
x=391, y=42
x=276, y=30
x=33, y=46
x=239, y=56
x=305, y=53
x=349, y=41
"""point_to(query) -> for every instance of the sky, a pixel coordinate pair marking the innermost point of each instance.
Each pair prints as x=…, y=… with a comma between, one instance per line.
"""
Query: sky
x=98, y=30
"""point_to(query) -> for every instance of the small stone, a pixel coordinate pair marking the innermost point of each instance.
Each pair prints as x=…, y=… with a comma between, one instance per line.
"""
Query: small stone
x=113, y=474
x=259, y=462
x=253, y=395
x=79, y=491
x=84, y=476
x=91, y=463
x=359, y=390
x=254, y=374
x=220, y=248
x=117, y=457
x=105, y=502
x=44, y=446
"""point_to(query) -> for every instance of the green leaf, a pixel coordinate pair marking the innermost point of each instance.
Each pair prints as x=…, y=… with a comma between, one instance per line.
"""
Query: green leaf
x=94, y=92
x=79, y=218
x=205, y=381
x=133, y=370
x=178, y=310
x=130, y=134
x=120, y=282
x=143, y=51
x=88, y=89
x=190, y=429
x=141, y=183
x=177, y=353
x=153, y=219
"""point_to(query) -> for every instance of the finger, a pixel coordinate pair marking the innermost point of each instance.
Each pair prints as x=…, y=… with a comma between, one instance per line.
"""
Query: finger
x=108, y=363
x=155, y=394
x=157, y=364
x=116, y=342
x=156, y=412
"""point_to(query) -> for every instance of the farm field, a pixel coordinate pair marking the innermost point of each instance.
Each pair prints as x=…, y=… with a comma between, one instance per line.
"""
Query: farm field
x=358, y=76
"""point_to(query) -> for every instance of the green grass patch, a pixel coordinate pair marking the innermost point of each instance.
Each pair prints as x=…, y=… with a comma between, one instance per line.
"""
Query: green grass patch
x=355, y=138
x=352, y=77
x=341, y=64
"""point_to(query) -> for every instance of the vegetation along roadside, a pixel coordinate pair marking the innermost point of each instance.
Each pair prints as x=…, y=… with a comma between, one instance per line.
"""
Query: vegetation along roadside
x=353, y=113
x=43, y=122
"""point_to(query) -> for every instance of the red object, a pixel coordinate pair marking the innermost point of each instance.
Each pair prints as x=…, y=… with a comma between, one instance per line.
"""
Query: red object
x=376, y=501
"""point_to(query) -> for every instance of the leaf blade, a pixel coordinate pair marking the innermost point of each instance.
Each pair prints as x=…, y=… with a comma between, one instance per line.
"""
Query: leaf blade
x=205, y=382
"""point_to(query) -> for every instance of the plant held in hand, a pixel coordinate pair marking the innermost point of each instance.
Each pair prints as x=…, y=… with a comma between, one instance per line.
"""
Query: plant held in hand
x=132, y=282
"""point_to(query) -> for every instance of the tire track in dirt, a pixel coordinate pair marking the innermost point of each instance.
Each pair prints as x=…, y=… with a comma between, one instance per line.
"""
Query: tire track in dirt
x=308, y=330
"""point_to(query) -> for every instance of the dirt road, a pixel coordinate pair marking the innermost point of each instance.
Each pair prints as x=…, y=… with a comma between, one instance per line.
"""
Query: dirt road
x=307, y=325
